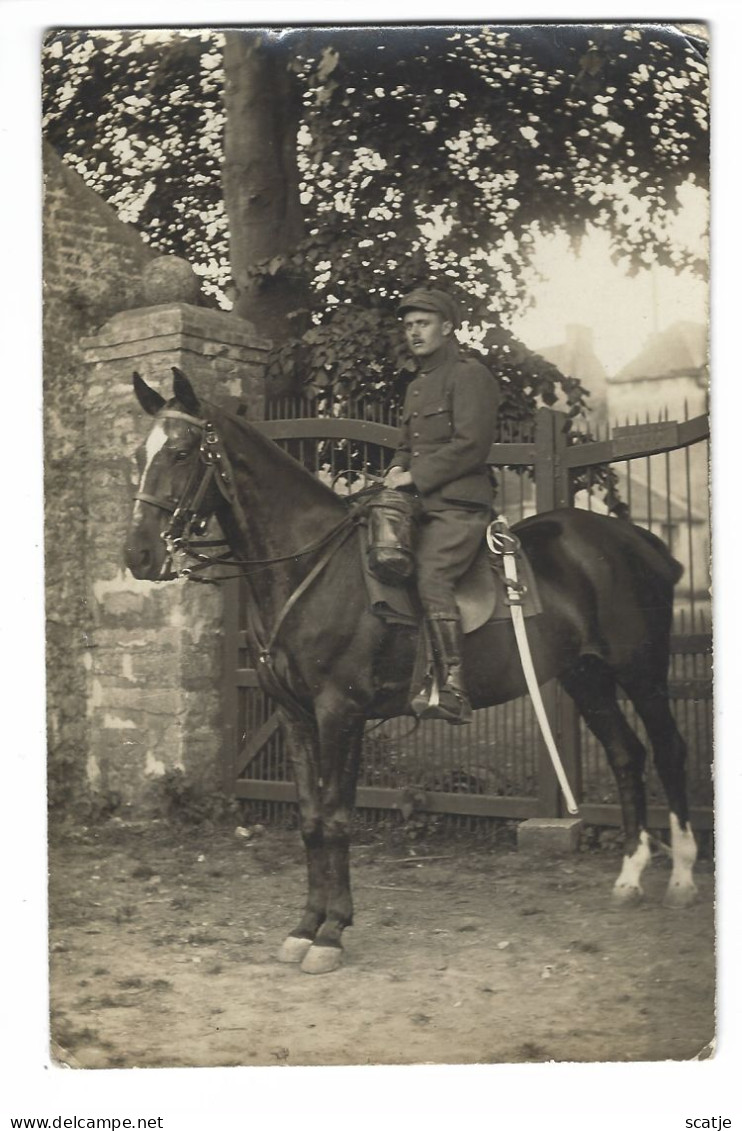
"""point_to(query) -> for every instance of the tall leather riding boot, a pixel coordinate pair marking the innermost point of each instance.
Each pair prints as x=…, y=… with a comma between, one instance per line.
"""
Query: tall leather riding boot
x=453, y=702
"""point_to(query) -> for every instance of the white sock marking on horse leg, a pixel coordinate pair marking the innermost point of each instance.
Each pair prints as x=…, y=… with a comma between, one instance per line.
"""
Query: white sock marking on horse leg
x=155, y=443
x=628, y=885
x=681, y=891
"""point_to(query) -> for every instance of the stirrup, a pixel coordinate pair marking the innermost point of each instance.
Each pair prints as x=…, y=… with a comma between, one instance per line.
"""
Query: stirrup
x=420, y=702
x=453, y=706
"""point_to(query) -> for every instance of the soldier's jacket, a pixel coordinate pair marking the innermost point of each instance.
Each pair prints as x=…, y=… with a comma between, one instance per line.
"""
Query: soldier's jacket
x=448, y=426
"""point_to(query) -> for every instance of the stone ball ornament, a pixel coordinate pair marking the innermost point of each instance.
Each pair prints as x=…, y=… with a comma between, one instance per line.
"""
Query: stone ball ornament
x=170, y=279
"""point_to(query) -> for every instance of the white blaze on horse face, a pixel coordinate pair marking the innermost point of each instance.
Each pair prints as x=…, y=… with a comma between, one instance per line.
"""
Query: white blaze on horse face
x=628, y=885
x=155, y=443
x=681, y=890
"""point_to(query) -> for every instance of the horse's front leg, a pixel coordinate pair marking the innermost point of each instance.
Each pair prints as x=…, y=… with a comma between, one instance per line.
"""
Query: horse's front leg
x=302, y=742
x=341, y=738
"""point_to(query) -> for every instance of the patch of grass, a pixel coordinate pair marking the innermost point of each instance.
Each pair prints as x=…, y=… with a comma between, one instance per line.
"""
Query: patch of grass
x=131, y=983
x=585, y=947
x=124, y=914
x=161, y=985
x=165, y=940
x=143, y=872
x=202, y=938
x=70, y=1038
x=117, y=1061
x=190, y=803
x=529, y=1050
x=106, y=1002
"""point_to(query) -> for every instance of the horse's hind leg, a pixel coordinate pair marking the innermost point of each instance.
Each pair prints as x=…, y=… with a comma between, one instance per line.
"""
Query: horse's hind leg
x=669, y=758
x=592, y=685
x=303, y=748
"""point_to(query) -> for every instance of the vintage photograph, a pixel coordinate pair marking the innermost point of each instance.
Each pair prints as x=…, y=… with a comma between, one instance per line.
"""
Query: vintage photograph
x=377, y=524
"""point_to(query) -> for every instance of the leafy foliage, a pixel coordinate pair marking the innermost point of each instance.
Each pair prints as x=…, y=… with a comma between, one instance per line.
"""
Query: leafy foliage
x=427, y=154
x=139, y=114
x=189, y=802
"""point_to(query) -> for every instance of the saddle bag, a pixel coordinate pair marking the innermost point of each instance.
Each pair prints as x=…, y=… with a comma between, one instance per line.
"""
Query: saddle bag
x=391, y=535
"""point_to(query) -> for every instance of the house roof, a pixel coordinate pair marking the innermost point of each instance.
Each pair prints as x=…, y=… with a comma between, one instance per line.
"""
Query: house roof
x=680, y=349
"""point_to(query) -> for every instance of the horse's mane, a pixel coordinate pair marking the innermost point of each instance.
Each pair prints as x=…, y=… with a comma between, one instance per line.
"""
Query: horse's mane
x=272, y=450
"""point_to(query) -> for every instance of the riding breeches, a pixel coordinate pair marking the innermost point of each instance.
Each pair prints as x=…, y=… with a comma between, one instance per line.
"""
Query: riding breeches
x=447, y=544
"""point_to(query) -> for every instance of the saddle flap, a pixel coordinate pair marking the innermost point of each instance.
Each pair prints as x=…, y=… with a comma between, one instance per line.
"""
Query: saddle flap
x=480, y=595
x=476, y=593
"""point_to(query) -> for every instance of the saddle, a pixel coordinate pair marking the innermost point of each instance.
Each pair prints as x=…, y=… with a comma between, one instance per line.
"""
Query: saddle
x=481, y=594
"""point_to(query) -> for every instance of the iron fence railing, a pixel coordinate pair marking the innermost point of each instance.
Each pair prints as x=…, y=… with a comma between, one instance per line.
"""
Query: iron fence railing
x=496, y=767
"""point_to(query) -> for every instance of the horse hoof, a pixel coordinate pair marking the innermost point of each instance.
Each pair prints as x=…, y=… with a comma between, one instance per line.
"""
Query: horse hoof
x=680, y=896
x=293, y=949
x=322, y=960
x=627, y=895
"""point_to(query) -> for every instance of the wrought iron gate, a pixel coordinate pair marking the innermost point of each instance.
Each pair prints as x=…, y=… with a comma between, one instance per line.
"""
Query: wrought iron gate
x=497, y=767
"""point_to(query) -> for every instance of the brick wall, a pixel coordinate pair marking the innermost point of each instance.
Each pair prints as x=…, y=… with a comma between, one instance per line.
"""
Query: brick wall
x=154, y=657
x=92, y=269
x=132, y=668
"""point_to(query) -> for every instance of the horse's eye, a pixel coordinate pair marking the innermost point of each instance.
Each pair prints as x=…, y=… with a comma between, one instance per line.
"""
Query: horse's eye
x=181, y=455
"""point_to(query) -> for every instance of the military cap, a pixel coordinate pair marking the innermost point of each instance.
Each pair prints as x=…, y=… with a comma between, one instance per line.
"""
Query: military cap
x=427, y=298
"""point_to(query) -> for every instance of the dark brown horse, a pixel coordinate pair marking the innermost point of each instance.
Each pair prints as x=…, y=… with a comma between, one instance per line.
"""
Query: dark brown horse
x=606, y=588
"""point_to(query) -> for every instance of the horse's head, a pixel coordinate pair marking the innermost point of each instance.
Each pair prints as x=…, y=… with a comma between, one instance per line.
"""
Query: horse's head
x=178, y=489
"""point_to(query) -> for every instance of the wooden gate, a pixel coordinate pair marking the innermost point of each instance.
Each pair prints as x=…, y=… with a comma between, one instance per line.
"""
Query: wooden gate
x=498, y=766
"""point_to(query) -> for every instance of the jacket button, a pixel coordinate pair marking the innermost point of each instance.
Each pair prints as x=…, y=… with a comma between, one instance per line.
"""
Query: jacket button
x=416, y=435
x=416, y=392
x=416, y=453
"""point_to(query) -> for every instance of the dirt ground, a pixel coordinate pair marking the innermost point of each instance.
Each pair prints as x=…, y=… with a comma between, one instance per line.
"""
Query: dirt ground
x=163, y=942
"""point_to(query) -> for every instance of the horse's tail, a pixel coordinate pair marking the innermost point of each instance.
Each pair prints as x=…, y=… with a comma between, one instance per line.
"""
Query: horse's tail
x=673, y=569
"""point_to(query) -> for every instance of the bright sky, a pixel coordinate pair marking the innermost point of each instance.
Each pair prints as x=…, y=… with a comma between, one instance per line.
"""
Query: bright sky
x=622, y=311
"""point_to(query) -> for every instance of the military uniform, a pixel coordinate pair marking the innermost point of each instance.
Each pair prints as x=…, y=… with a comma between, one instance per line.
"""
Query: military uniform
x=448, y=426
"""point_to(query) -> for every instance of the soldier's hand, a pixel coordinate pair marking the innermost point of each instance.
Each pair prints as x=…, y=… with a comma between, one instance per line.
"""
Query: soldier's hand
x=397, y=477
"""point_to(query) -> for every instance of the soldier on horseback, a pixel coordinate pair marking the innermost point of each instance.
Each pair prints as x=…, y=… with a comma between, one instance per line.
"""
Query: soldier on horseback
x=448, y=426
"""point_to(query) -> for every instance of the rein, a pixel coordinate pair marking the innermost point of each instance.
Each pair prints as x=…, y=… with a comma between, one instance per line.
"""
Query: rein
x=228, y=559
x=187, y=521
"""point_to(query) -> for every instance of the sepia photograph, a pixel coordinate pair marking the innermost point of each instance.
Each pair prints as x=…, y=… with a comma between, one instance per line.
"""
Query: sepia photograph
x=377, y=528
x=378, y=551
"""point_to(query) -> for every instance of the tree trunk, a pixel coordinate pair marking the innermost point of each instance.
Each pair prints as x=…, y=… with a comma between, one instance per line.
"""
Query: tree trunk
x=261, y=179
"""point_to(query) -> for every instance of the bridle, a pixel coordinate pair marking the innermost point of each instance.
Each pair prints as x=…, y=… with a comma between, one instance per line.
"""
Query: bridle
x=186, y=519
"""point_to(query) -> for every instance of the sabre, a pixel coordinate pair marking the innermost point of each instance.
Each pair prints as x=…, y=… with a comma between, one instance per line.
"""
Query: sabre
x=504, y=543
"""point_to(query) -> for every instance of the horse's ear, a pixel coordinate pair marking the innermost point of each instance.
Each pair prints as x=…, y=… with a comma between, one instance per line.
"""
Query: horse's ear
x=149, y=399
x=183, y=392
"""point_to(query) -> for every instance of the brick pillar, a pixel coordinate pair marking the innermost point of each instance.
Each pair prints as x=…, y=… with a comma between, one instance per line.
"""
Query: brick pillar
x=154, y=651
